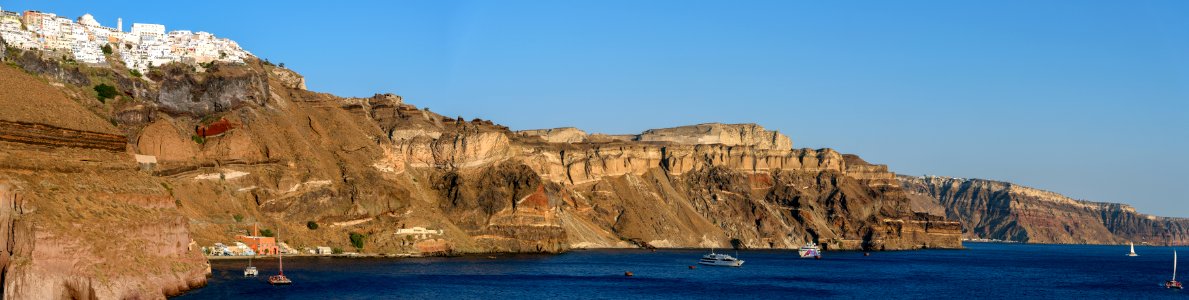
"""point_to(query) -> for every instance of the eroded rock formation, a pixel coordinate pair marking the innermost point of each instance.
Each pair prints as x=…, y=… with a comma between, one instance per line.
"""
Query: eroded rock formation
x=1005, y=211
x=377, y=166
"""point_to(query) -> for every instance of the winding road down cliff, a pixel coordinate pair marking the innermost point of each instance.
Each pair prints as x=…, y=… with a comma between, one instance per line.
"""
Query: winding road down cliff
x=1005, y=211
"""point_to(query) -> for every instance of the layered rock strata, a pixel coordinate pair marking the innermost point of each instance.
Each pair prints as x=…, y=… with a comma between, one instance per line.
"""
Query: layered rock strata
x=1005, y=211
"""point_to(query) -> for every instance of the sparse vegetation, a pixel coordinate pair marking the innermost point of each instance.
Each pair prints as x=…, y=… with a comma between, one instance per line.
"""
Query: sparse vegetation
x=104, y=92
x=268, y=63
x=106, y=49
x=267, y=232
x=135, y=73
x=238, y=218
x=357, y=240
x=336, y=250
x=198, y=139
x=312, y=225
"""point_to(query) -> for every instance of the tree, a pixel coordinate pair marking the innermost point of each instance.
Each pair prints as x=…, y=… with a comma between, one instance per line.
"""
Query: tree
x=106, y=49
x=357, y=240
x=281, y=65
x=104, y=92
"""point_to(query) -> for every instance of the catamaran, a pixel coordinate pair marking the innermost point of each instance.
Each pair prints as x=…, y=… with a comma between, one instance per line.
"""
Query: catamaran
x=250, y=271
x=280, y=278
x=1132, y=250
x=1173, y=284
x=718, y=259
x=810, y=250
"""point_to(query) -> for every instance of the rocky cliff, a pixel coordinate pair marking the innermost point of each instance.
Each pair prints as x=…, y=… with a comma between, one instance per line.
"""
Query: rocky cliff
x=293, y=159
x=1005, y=211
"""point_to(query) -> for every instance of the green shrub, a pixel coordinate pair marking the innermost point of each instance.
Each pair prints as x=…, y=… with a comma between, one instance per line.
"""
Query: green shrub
x=336, y=250
x=238, y=218
x=198, y=139
x=106, y=49
x=357, y=240
x=267, y=233
x=312, y=225
x=135, y=73
x=105, y=92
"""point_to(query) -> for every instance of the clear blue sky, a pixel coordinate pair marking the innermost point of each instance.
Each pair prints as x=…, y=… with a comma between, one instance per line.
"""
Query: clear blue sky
x=1086, y=98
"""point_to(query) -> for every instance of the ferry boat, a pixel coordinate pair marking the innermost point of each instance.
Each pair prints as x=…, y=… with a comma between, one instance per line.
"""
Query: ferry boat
x=718, y=259
x=810, y=250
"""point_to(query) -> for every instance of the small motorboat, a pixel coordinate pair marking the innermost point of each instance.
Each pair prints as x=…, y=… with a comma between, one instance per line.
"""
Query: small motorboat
x=719, y=259
x=1132, y=250
x=810, y=250
x=1173, y=284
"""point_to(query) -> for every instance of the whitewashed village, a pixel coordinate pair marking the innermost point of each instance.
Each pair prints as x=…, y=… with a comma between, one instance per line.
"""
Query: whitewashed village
x=85, y=40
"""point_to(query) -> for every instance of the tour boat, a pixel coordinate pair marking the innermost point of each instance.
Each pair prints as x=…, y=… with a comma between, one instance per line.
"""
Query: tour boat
x=1173, y=284
x=250, y=271
x=810, y=250
x=718, y=259
x=1132, y=250
x=280, y=278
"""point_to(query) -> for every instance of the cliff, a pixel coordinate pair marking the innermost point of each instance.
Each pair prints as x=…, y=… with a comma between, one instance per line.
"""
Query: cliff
x=1005, y=211
x=290, y=158
x=79, y=220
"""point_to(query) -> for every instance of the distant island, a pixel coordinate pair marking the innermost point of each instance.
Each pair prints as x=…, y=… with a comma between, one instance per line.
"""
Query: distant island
x=130, y=157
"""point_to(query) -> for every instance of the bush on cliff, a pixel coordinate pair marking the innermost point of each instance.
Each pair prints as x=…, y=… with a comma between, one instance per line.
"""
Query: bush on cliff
x=106, y=49
x=267, y=232
x=105, y=92
x=357, y=240
x=312, y=225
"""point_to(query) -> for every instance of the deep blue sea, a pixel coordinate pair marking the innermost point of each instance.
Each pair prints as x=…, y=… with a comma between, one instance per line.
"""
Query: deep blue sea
x=983, y=270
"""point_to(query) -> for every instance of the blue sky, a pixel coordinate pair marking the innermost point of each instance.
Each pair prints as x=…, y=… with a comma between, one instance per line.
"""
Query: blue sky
x=1086, y=98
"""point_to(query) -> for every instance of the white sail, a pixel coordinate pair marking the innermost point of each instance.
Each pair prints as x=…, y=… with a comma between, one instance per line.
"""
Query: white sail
x=1174, y=265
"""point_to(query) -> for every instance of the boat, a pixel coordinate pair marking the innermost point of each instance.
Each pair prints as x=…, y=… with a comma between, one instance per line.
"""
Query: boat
x=1132, y=250
x=280, y=278
x=810, y=250
x=1173, y=284
x=719, y=259
x=250, y=271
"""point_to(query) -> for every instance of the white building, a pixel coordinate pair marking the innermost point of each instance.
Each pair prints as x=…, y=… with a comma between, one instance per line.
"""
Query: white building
x=419, y=232
x=147, y=45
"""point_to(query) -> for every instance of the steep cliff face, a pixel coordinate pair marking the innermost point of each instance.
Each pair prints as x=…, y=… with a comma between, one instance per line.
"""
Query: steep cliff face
x=374, y=166
x=1000, y=210
x=77, y=220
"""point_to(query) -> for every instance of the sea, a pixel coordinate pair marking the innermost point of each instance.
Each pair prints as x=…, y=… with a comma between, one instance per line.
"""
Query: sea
x=982, y=270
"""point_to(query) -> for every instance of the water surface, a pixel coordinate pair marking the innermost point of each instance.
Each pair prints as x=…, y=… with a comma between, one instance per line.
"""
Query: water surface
x=984, y=270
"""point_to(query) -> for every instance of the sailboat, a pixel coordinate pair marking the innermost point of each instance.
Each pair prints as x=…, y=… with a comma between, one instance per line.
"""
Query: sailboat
x=1132, y=250
x=280, y=278
x=1173, y=284
x=250, y=271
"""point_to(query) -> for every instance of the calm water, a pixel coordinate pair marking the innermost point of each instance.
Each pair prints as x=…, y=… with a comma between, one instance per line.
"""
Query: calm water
x=984, y=270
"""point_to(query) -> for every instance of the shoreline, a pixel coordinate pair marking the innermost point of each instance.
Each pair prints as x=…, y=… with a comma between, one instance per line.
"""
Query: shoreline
x=495, y=254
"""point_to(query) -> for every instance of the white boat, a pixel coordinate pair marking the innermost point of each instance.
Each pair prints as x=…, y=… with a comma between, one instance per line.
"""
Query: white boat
x=1173, y=284
x=1132, y=250
x=719, y=259
x=250, y=271
x=810, y=250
